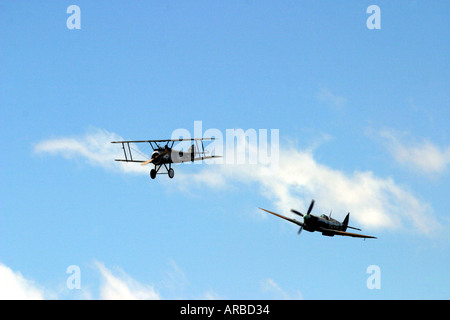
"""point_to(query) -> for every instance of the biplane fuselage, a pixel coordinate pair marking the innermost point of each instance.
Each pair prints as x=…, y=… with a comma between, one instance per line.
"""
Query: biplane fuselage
x=165, y=158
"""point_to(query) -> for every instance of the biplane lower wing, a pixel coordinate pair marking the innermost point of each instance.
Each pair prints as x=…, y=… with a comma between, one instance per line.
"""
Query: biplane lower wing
x=197, y=159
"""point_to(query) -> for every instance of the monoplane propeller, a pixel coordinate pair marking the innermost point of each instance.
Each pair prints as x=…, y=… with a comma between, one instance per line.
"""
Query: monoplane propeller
x=296, y=212
x=302, y=215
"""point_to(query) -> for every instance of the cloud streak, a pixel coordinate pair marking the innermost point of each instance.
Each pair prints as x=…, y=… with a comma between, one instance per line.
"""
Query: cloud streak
x=95, y=148
x=270, y=286
x=331, y=99
x=375, y=203
x=115, y=284
x=123, y=287
x=421, y=156
x=13, y=286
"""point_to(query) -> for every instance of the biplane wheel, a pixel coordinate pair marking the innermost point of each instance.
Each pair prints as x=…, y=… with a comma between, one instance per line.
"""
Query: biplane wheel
x=171, y=173
x=153, y=173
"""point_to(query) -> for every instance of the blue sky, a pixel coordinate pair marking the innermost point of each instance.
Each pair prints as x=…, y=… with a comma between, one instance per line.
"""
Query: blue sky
x=363, y=127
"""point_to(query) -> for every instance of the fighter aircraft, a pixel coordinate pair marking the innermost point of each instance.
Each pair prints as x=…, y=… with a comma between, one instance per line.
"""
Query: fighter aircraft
x=165, y=155
x=325, y=224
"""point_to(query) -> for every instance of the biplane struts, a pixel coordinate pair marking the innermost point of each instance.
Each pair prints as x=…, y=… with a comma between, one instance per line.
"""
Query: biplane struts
x=164, y=156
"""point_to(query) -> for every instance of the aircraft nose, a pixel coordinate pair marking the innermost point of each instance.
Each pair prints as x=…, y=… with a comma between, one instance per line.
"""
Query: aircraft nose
x=307, y=219
x=155, y=154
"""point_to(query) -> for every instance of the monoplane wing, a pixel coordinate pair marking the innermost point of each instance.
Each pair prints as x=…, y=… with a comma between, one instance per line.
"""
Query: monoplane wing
x=283, y=217
x=348, y=234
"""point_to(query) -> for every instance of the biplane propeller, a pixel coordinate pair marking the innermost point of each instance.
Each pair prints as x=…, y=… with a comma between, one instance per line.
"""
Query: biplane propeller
x=324, y=224
x=164, y=156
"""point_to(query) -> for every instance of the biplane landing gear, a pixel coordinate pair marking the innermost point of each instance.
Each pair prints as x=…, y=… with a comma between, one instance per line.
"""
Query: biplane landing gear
x=154, y=172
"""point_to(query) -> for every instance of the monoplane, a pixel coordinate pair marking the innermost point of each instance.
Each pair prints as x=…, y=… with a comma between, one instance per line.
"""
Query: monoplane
x=324, y=224
x=165, y=155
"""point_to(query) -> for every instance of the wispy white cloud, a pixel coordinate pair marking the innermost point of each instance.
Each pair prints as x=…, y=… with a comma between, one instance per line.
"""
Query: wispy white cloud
x=94, y=147
x=116, y=284
x=175, y=281
x=331, y=99
x=211, y=295
x=14, y=286
x=270, y=286
x=121, y=286
x=374, y=202
x=421, y=156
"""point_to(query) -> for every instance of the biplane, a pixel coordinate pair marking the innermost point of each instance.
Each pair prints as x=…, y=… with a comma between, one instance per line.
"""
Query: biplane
x=323, y=223
x=164, y=156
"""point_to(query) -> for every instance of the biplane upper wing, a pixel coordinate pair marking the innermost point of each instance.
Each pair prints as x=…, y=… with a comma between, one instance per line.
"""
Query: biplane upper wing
x=162, y=140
